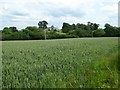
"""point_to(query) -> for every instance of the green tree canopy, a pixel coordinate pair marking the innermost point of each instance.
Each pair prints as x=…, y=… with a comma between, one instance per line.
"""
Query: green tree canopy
x=43, y=24
x=66, y=27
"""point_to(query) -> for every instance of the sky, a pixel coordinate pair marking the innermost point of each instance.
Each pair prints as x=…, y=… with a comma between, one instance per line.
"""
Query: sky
x=23, y=13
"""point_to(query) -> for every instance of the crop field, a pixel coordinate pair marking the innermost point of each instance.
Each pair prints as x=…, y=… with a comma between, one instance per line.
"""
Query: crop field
x=64, y=63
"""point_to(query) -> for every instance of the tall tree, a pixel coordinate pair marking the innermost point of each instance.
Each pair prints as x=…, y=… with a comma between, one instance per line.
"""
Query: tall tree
x=13, y=29
x=66, y=27
x=9, y=30
x=89, y=26
x=92, y=26
x=110, y=30
x=96, y=26
x=43, y=24
x=52, y=27
x=73, y=26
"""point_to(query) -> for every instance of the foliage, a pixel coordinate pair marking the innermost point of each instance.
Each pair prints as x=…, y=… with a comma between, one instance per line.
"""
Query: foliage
x=42, y=24
x=68, y=31
x=99, y=33
x=66, y=27
x=111, y=31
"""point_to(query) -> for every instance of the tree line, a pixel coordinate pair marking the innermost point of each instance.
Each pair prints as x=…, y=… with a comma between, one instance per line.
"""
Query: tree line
x=67, y=31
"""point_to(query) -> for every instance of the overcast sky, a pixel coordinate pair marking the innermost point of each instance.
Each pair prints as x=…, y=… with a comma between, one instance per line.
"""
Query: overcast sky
x=22, y=13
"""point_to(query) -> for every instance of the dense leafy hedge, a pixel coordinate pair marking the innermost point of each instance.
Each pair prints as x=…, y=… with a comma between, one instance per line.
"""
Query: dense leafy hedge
x=67, y=31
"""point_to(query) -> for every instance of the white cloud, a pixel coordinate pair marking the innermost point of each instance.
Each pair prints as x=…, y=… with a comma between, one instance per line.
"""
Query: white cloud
x=21, y=13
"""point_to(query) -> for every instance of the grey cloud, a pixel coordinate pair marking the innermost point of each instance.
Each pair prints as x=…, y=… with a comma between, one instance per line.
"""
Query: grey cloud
x=51, y=9
x=11, y=16
x=17, y=13
x=30, y=11
x=65, y=12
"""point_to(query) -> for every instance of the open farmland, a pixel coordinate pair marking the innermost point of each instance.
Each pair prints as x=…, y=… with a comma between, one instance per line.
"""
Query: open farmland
x=67, y=63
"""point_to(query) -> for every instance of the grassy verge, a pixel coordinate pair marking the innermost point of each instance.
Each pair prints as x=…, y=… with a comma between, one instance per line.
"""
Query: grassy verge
x=103, y=73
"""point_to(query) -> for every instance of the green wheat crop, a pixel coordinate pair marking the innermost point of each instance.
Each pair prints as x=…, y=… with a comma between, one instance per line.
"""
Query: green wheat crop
x=67, y=63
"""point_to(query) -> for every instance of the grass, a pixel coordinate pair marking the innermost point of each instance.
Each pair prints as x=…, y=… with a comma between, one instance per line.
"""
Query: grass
x=66, y=63
x=107, y=75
